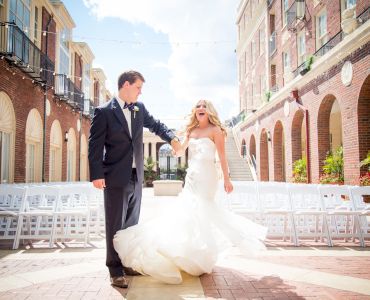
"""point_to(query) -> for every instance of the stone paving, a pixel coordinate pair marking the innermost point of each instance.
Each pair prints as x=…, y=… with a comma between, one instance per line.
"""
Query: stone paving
x=311, y=271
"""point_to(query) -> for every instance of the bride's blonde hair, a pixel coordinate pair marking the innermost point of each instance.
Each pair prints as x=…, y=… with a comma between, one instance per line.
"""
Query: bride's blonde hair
x=212, y=117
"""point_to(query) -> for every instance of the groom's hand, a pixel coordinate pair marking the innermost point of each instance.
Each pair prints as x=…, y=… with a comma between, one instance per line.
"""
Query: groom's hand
x=99, y=183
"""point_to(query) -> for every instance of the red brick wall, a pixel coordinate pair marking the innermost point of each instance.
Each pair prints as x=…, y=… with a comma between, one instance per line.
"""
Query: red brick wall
x=25, y=96
x=317, y=96
x=50, y=36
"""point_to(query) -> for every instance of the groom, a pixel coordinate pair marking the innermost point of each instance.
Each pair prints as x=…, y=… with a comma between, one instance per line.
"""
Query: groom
x=116, y=161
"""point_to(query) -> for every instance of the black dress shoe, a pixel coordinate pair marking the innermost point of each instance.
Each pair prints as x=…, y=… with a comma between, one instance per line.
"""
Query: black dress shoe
x=130, y=272
x=119, y=281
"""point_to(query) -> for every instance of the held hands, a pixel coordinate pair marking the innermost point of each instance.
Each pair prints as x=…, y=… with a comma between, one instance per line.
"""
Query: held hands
x=99, y=183
x=176, y=146
x=228, y=186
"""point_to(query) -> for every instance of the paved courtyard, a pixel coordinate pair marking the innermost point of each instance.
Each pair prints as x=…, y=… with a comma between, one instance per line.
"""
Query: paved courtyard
x=69, y=271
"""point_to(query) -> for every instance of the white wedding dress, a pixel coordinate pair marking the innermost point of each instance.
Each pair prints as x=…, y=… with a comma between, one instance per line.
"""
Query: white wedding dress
x=190, y=234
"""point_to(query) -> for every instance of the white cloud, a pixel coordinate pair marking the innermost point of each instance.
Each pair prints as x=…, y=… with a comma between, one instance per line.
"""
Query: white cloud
x=202, y=34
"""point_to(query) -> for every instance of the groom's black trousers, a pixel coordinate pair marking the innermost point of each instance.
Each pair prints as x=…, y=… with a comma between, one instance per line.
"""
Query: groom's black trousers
x=122, y=210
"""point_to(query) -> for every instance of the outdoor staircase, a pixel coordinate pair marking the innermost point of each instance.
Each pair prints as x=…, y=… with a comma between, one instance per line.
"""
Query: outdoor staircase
x=238, y=167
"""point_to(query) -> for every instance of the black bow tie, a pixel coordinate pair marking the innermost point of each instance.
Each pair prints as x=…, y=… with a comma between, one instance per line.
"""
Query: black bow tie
x=129, y=106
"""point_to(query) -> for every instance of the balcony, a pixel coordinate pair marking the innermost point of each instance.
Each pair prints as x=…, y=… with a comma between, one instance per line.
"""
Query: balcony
x=66, y=90
x=296, y=11
x=272, y=43
x=334, y=41
x=21, y=52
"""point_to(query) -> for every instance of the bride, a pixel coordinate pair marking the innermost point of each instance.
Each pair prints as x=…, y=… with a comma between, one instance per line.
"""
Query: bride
x=190, y=234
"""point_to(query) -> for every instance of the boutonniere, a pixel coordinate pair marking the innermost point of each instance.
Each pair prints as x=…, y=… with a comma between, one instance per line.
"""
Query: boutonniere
x=136, y=108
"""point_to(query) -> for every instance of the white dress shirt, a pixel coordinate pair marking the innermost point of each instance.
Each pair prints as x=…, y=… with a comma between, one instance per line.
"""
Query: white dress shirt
x=127, y=114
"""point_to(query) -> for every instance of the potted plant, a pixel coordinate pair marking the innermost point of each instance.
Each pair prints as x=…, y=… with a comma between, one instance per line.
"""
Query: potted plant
x=300, y=171
x=365, y=178
x=181, y=172
x=149, y=173
x=307, y=65
x=333, y=168
x=268, y=95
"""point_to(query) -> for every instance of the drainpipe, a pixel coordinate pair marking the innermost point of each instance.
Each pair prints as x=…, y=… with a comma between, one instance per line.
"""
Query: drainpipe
x=45, y=101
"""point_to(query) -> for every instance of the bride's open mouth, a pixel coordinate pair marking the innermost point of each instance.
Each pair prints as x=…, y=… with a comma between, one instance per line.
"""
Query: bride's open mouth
x=202, y=113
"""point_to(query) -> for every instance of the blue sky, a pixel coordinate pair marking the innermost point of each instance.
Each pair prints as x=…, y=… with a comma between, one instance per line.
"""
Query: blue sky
x=184, y=49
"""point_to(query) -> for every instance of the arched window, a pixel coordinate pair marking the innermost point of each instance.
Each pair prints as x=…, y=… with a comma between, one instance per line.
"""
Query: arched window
x=7, y=138
x=71, y=155
x=55, y=156
x=33, y=146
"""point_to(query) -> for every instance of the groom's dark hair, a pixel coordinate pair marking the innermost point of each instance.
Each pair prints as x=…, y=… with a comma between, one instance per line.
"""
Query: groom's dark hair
x=130, y=76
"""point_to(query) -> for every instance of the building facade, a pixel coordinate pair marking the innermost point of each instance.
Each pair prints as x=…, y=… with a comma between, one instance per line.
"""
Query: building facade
x=316, y=96
x=46, y=94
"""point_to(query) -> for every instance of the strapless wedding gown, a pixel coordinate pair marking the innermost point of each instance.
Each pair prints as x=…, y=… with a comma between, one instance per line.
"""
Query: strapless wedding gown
x=190, y=233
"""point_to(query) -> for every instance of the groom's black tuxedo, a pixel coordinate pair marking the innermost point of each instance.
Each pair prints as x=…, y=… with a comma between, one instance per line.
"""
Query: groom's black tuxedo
x=109, y=131
x=111, y=152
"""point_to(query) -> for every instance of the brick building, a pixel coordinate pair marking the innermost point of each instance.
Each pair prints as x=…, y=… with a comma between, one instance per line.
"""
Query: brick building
x=304, y=85
x=46, y=93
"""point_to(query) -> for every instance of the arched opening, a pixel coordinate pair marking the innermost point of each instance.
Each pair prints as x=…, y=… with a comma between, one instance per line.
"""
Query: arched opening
x=364, y=122
x=279, y=152
x=264, y=157
x=55, y=156
x=252, y=151
x=83, y=158
x=33, y=146
x=7, y=139
x=299, y=146
x=329, y=126
x=71, y=155
x=167, y=162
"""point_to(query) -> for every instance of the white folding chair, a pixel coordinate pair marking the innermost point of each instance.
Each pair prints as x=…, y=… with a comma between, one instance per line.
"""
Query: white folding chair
x=362, y=208
x=277, y=211
x=310, y=216
x=343, y=219
x=35, y=218
x=11, y=202
x=244, y=200
x=72, y=216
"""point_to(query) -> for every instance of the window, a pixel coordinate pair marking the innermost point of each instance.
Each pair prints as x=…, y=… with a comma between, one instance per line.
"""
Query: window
x=262, y=41
x=301, y=44
x=321, y=29
x=348, y=4
x=30, y=168
x=36, y=26
x=285, y=7
x=86, y=85
x=286, y=62
x=19, y=12
x=64, y=52
x=5, y=157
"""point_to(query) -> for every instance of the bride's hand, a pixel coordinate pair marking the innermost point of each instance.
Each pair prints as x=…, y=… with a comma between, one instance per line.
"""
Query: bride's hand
x=228, y=186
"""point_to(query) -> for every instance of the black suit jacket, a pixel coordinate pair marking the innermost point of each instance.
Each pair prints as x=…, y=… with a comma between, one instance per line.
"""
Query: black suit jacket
x=111, y=148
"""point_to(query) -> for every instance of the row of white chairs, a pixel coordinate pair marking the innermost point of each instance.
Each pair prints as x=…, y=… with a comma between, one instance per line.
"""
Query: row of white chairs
x=57, y=211
x=305, y=211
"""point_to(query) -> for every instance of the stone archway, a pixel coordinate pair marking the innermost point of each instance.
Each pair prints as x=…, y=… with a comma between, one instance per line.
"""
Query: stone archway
x=252, y=150
x=364, y=121
x=279, y=152
x=329, y=128
x=264, y=157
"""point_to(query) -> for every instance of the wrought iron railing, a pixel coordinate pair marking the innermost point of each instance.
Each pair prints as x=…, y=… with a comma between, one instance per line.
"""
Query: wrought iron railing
x=295, y=11
x=67, y=90
x=24, y=54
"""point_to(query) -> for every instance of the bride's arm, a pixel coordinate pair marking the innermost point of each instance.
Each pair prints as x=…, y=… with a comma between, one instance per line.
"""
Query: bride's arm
x=184, y=146
x=219, y=138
